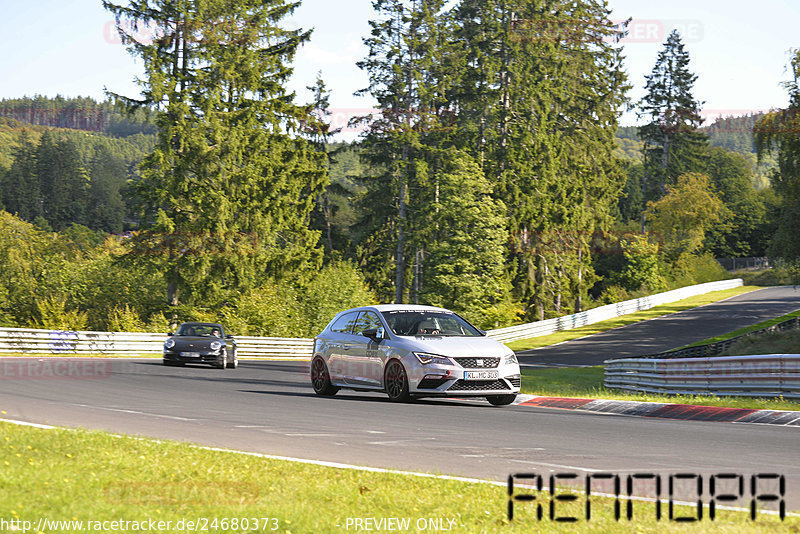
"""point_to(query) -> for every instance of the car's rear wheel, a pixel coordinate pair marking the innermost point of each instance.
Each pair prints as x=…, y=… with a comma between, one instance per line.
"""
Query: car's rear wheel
x=233, y=363
x=395, y=381
x=501, y=400
x=321, y=379
x=222, y=360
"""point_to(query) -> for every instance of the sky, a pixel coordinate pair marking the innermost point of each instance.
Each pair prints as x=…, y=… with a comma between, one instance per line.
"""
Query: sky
x=739, y=50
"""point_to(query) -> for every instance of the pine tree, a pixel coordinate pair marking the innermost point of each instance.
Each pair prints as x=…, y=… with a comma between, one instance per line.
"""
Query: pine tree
x=20, y=185
x=320, y=133
x=63, y=181
x=105, y=207
x=408, y=83
x=538, y=105
x=673, y=146
x=229, y=189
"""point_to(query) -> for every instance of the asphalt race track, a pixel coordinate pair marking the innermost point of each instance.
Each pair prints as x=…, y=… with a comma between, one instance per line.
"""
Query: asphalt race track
x=670, y=331
x=269, y=407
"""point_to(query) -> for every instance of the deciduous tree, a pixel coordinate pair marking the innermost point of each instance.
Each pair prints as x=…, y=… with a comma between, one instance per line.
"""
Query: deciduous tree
x=778, y=132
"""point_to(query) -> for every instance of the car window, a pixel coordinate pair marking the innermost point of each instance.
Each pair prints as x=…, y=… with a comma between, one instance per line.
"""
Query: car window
x=420, y=323
x=205, y=330
x=367, y=320
x=344, y=324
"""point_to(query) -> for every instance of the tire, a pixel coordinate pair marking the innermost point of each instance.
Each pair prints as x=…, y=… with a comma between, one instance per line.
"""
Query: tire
x=501, y=400
x=222, y=360
x=233, y=363
x=395, y=382
x=321, y=379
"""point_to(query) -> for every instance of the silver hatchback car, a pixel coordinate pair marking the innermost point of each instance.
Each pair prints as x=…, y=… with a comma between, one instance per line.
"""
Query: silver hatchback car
x=412, y=351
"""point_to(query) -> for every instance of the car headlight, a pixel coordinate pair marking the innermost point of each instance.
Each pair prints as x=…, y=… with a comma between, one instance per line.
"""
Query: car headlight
x=511, y=358
x=168, y=344
x=425, y=359
x=215, y=345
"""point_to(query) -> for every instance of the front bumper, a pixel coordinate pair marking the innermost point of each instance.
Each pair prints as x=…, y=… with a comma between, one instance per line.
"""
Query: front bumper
x=202, y=357
x=443, y=380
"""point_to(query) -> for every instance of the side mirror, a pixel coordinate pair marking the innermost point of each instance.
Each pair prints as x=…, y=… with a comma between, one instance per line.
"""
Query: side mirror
x=373, y=333
x=229, y=336
x=170, y=334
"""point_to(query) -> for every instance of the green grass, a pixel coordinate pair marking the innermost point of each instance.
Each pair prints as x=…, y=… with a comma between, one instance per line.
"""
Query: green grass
x=747, y=329
x=776, y=276
x=787, y=342
x=587, y=382
x=94, y=476
x=652, y=313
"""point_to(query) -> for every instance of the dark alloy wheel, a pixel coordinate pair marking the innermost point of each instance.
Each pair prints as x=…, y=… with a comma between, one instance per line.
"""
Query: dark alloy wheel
x=222, y=360
x=233, y=363
x=395, y=381
x=501, y=400
x=321, y=379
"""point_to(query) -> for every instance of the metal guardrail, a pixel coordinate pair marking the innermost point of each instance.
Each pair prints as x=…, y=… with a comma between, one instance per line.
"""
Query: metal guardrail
x=34, y=341
x=609, y=311
x=737, y=264
x=719, y=347
x=769, y=375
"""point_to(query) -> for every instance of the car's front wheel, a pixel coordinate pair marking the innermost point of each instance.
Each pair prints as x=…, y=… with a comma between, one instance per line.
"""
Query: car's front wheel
x=395, y=381
x=321, y=379
x=233, y=363
x=501, y=400
x=222, y=360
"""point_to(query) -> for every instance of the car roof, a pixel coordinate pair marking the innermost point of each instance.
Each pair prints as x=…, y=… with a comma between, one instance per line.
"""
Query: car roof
x=201, y=324
x=400, y=307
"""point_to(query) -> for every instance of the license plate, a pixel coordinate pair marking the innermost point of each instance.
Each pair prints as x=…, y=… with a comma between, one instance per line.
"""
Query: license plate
x=190, y=354
x=481, y=375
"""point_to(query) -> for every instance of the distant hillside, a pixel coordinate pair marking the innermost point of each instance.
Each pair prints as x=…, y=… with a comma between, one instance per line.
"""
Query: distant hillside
x=76, y=114
x=733, y=133
x=60, y=176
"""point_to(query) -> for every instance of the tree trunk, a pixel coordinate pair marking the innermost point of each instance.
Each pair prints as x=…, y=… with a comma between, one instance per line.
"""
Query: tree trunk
x=400, y=255
x=664, y=161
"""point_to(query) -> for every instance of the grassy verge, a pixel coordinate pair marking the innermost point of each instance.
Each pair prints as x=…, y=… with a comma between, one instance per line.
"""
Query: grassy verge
x=587, y=382
x=747, y=329
x=94, y=477
x=652, y=313
x=787, y=342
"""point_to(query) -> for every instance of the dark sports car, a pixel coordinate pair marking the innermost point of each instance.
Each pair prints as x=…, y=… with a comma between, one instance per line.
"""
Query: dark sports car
x=201, y=343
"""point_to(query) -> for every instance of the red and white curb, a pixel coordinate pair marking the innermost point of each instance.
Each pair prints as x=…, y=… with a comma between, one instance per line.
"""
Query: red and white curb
x=686, y=412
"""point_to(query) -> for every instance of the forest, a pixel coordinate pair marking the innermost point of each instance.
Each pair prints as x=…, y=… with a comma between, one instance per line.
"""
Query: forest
x=496, y=181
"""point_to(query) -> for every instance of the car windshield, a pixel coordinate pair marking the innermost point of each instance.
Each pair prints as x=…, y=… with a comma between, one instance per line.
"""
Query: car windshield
x=428, y=323
x=205, y=330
